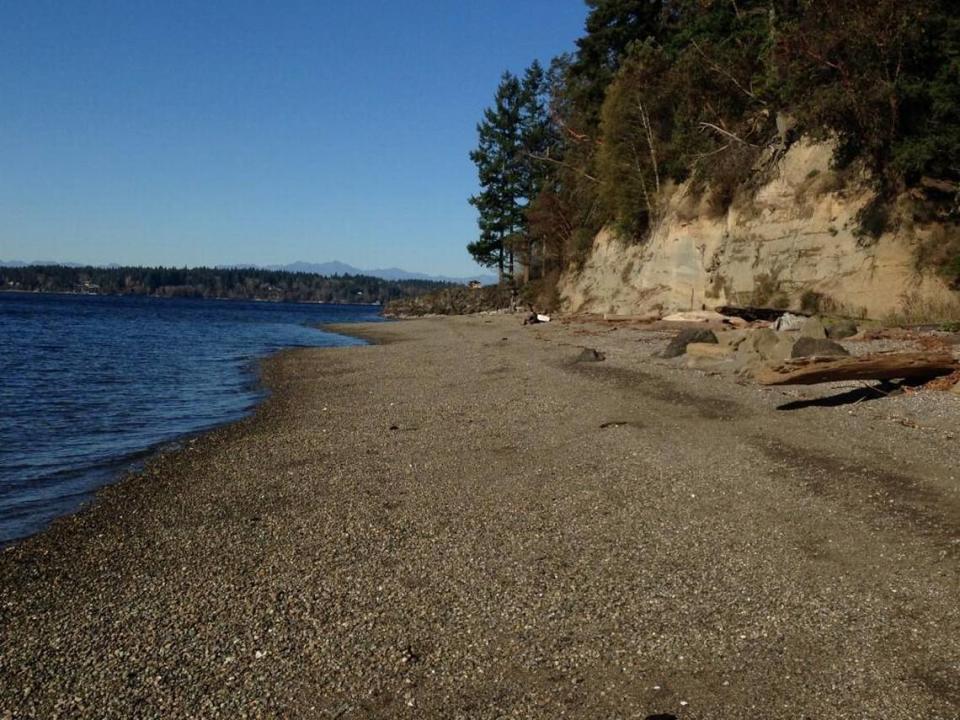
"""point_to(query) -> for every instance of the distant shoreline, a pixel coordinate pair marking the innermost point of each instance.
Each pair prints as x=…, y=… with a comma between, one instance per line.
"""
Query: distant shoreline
x=9, y=291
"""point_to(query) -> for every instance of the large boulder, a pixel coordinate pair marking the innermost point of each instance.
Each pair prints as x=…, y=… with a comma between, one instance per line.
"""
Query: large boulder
x=732, y=338
x=768, y=345
x=840, y=329
x=678, y=346
x=813, y=328
x=714, y=351
x=817, y=347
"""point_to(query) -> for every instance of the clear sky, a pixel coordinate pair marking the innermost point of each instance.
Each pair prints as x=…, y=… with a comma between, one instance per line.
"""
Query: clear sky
x=189, y=132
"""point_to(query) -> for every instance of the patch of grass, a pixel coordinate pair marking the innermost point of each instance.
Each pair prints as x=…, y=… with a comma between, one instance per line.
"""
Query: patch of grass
x=917, y=309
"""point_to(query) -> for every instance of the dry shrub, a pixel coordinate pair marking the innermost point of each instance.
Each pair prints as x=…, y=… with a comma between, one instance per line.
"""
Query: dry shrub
x=766, y=289
x=816, y=303
x=819, y=184
x=919, y=309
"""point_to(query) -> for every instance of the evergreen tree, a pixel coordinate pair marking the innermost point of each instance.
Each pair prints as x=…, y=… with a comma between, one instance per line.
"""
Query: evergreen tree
x=612, y=26
x=499, y=158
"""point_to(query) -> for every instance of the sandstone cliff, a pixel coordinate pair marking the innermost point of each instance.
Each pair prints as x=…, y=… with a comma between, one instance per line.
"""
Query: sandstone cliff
x=793, y=241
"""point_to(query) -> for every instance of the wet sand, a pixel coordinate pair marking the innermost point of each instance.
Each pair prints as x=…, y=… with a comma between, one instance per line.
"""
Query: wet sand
x=463, y=522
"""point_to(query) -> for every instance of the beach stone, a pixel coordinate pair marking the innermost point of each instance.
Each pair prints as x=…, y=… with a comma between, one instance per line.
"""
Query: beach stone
x=590, y=355
x=813, y=328
x=840, y=329
x=710, y=350
x=678, y=346
x=819, y=347
x=732, y=338
x=768, y=345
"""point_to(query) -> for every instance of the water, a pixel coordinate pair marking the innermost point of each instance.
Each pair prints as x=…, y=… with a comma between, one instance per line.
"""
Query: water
x=89, y=384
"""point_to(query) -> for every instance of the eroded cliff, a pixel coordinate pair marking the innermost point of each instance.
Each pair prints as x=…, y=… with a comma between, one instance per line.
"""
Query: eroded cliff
x=794, y=241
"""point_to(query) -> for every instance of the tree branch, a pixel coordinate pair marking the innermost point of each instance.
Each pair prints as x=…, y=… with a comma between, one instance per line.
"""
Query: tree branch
x=568, y=166
x=725, y=73
x=725, y=133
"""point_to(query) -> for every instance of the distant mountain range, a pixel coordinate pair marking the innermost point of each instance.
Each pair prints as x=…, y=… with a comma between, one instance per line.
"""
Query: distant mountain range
x=328, y=268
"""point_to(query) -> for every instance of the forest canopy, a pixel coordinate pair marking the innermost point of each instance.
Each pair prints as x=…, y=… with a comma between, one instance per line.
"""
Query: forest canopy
x=659, y=92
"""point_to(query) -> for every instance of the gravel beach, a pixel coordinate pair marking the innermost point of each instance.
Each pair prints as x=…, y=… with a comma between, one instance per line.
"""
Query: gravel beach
x=463, y=521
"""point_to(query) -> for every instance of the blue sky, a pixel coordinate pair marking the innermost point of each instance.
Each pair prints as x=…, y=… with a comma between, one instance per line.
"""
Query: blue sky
x=191, y=132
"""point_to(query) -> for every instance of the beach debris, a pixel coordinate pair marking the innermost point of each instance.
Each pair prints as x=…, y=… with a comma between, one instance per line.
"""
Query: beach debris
x=819, y=347
x=789, y=321
x=678, y=346
x=590, y=355
x=543, y=318
x=536, y=318
x=946, y=383
x=882, y=366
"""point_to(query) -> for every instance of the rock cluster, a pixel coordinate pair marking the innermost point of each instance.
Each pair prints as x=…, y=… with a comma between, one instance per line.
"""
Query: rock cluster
x=751, y=348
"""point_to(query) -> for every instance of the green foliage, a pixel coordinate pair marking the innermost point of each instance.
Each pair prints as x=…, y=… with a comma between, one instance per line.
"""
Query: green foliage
x=665, y=91
x=612, y=27
x=514, y=131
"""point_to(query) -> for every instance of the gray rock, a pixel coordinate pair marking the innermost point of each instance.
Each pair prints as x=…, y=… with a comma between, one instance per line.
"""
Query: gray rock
x=840, y=329
x=813, y=328
x=767, y=345
x=678, y=346
x=819, y=347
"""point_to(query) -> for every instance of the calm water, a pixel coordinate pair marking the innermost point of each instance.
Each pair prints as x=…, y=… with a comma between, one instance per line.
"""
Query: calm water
x=89, y=384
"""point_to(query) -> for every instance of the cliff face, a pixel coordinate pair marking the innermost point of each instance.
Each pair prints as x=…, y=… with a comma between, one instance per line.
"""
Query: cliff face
x=791, y=242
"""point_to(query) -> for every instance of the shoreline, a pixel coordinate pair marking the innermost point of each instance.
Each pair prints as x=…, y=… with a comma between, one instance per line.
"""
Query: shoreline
x=121, y=469
x=13, y=291
x=463, y=521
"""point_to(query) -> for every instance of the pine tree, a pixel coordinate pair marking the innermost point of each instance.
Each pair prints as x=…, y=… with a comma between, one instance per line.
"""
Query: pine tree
x=499, y=158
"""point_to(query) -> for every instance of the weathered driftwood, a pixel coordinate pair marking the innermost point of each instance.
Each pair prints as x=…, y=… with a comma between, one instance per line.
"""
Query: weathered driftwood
x=883, y=366
x=751, y=314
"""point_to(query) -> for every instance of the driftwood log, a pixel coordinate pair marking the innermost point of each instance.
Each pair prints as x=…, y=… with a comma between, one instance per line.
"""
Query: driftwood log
x=751, y=314
x=883, y=366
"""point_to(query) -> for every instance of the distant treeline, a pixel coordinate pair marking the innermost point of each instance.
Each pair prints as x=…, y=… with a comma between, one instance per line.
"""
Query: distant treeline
x=203, y=282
